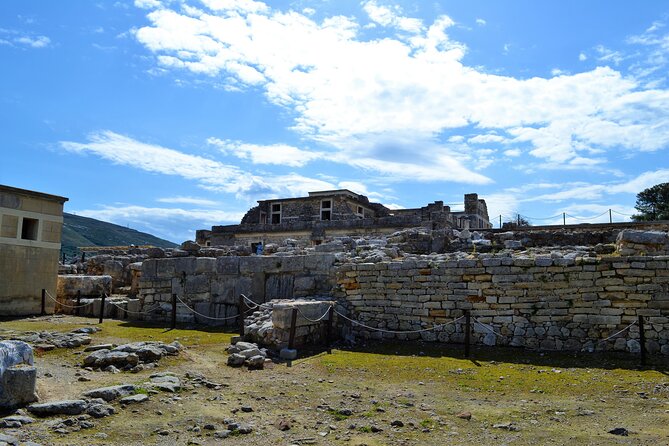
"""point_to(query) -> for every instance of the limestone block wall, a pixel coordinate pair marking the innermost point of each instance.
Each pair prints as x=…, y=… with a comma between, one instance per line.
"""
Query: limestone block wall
x=545, y=302
x=211, y=286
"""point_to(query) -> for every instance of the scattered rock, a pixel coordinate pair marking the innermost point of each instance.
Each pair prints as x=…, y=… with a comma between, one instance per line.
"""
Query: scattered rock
x=111, y=393
x=619, y=431
x=100, y=410
x=134, y=399
x=465, y=415
x=67, y=407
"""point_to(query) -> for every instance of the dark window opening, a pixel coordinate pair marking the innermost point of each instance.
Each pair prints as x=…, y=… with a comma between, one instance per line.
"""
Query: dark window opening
x=276, y=208
x=29, y=229
x=326, y=215
x=276, y=219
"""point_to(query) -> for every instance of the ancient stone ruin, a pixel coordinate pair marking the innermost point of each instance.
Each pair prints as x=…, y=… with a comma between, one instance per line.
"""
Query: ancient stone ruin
x=576, y=289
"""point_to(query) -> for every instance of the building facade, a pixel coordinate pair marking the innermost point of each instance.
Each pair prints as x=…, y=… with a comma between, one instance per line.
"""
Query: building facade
x=30, y=233
x=335, y=213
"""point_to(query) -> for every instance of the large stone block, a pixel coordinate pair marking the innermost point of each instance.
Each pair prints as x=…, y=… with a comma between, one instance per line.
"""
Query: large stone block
x=94, y=286
x=307, y=313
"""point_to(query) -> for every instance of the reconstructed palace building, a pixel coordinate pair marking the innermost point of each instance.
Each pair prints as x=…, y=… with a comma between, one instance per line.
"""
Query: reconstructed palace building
x=333, y=213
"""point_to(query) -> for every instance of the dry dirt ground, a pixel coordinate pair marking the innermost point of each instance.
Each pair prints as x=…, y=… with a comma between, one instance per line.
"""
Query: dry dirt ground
x=514, y=397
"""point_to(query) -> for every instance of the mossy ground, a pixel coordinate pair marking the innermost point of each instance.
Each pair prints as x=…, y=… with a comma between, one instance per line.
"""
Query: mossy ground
x=549, y=398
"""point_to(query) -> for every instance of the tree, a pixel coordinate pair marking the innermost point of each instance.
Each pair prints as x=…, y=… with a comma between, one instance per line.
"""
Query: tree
x=653, y=203
x=518, y=221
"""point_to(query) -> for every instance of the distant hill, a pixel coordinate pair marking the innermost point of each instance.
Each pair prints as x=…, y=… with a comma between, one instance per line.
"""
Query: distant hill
x=83, y=231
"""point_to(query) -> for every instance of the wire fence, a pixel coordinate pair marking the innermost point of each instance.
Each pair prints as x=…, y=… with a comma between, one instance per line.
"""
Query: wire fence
x=562, y=219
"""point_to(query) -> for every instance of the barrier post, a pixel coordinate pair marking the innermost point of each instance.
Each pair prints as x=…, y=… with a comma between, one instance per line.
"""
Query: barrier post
x=564, y=219
x=43, y=312
x=102, y=308
x=328, y=332
x=293, y=324
x=174, y=311
x=610, y=217
x=242, y=310
x=642, y=341
x=76, y=310
x=468, y=328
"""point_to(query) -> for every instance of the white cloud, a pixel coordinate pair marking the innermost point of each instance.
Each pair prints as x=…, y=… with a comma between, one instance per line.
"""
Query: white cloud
x=481, y=22
x=582, y=57
x=512, y=153
x=280, y=154
x=210, y=174
x=353, y=94
x=189, y=200
x=386, y=16
x=175, y=224
x=33, y=42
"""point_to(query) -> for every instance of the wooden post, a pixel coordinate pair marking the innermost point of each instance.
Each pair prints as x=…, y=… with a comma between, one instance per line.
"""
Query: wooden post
x=610, y=217
x=242, y=310
x=174, y=311
x=468, y=328
x=76, y=310
x=102, y=307
x=500, y=222
x=293, y=324
x=564, y=219
x=642, y=341
x=43, y=312
x=328, y=331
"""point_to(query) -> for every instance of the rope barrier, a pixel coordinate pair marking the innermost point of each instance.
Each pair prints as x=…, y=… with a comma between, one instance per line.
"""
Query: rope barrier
x=66, y=305
x=312, y=320
x=254, y=305
x=587, y=218
x=617, y=333
x=149, y=311
x=397, y=331
x=489, y=328
x=204, y=315
x=620, y=213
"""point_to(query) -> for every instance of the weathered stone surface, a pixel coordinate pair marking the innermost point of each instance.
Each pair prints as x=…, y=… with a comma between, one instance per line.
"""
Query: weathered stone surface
x=17, y=387
x=165, y=381
x=93, y=286
x=65, y=407
x=112, y=392
x=134, y=399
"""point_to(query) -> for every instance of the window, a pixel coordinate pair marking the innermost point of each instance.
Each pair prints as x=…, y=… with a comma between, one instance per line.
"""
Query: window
x=263, y=218
x=326, y=210
x=276, y=213
x=29, y=229
x=361, y=212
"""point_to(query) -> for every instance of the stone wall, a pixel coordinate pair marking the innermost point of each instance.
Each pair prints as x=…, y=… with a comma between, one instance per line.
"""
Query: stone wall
x=211, y=286
x=548, y=302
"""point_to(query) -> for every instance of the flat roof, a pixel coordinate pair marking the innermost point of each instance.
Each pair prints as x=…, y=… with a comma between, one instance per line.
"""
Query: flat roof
x=32, y=193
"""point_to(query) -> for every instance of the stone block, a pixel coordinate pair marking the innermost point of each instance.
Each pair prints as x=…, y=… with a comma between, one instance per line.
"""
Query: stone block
x=17, y=387
x=308, y=312
x=228, y=265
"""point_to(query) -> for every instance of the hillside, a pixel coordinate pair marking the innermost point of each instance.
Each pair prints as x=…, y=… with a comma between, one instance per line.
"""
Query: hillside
x=83, y=231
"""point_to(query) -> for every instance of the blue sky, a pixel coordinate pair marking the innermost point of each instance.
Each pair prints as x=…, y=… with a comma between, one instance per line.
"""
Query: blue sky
x=171, y=116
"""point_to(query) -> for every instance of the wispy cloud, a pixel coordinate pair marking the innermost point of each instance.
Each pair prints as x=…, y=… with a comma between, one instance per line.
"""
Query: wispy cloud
x=209, y=173
x=22, y=39
x=189, y=200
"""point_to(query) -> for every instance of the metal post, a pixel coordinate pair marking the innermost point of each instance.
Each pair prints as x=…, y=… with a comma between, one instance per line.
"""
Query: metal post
x=102, y=307
x=76, y=310
x=610, y=217
x=293, y=324
x=174, y=311
x=500, y=222
x=642, y=341
x=43, y=312
x=242, y=310
x=564, y=219
x=468, y=329
x=328, y=332
x=518, y=219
